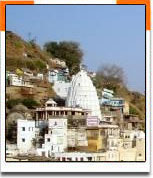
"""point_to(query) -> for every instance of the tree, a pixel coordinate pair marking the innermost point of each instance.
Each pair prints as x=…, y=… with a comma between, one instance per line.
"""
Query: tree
x=67, y=51
x=52, y=48
x=110, y=76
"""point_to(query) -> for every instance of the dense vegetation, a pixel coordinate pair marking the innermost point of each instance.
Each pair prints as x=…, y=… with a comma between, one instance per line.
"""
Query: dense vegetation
x=69, y=52
x=27, y=54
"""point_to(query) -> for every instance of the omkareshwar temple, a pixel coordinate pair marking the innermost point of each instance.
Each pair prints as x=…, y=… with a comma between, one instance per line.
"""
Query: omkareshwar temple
x=82, y=93
x=82, y=100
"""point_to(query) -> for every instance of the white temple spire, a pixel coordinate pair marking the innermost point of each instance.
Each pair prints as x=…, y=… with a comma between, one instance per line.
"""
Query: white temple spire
x=82, y=93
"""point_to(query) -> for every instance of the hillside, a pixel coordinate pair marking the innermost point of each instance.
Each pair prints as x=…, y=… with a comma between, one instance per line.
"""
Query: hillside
x=24, y=54
x=27, y=54
x=135, y=99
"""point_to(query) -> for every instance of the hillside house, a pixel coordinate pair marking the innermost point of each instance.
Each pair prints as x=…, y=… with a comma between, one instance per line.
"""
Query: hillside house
x=55, y=75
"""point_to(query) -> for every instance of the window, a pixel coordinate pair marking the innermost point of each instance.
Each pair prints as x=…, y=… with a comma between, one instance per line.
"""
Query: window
x=23, y=128
x=69, y=159
x=30, y=128
x=63, y=159
x=49, y=105
x=89, y=158
x=81, y=159
x=23, y=139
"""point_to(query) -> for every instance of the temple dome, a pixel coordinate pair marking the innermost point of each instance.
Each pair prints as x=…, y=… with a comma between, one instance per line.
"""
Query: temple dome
x=82, y=93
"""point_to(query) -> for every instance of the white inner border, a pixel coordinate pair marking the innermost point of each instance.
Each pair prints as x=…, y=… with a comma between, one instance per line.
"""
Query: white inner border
x=70, y=166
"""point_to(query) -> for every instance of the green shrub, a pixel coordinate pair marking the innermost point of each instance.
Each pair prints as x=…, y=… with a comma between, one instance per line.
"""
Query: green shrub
x=30, y=65
x=18, y=44
x=40, y=65
x=133, y=110
x=30, y=103
x=11, y=103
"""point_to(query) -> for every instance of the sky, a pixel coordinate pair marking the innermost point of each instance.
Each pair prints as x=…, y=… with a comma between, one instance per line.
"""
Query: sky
x=108, y=34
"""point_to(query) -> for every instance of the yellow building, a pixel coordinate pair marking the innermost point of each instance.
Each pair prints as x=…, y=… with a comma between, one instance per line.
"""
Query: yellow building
x=102, y=137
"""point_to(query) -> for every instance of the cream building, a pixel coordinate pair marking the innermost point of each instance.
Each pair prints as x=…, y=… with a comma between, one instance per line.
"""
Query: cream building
x=77, y=137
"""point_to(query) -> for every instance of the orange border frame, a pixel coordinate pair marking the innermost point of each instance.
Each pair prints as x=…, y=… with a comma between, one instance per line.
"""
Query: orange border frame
x=2, y=10
x=148, y=10
x=4, y=2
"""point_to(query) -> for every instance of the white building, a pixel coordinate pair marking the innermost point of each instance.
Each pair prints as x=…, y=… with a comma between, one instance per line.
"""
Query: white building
x=26, y=131
x=40, y=76
x=27, y=72
x=107, y=93
x=52, y=76
x=19, y=81
x=56, y=139
x=82, y=93
x=61, y=88
x=58, y=75
x=15, y=80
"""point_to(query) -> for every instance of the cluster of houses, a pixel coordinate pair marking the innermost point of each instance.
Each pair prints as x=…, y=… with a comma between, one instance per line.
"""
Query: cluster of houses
x=22, y=78
x=25, y=78
x=84, y=129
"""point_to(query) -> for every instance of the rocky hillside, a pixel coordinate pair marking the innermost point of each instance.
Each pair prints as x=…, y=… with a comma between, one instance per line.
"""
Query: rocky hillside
x=24, y=54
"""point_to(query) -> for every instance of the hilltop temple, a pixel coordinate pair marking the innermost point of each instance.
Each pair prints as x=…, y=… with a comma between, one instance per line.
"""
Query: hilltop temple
x=82, y=93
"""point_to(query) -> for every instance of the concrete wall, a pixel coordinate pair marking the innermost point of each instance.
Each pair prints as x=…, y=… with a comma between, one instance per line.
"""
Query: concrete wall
x=61, y=88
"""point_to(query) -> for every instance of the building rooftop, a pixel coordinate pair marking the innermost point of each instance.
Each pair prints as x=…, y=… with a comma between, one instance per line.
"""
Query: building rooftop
x=51, y=101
